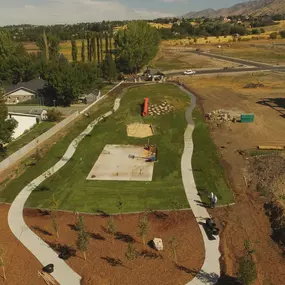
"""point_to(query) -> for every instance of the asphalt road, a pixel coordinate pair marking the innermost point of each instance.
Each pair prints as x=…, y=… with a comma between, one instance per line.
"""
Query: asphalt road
x=232, y=70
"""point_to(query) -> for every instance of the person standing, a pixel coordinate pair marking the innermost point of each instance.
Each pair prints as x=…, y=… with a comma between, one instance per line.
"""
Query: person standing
x=215, y=200
x=211, y=197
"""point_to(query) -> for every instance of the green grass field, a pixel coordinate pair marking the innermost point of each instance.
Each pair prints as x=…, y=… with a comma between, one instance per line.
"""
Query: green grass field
x=27, y=137
x=74, y=192
x=208, y=172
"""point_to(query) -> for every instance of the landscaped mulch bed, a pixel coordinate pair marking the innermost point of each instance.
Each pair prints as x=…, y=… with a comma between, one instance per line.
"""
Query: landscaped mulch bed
x=20, y=265
x=106, y=261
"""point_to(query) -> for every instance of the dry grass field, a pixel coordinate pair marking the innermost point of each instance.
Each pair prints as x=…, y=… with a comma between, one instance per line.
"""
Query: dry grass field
x=65, y=47
x=177, y=59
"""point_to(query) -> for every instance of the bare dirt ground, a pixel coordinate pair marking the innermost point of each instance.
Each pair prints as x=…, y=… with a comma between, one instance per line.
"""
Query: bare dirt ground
x=246, y=220
x=21, y=266
x=176, y=58
x=106, y=262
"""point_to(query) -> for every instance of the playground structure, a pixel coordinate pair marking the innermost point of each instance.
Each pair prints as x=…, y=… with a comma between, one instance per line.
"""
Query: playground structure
x=124, y=163
x=150, y=154
x=145, y=107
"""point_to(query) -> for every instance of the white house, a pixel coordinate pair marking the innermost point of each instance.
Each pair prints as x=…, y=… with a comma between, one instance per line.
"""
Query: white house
x=23, y=91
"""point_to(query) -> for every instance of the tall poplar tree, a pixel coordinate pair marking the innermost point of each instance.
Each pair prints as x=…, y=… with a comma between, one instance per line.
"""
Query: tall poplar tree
x=83, y=51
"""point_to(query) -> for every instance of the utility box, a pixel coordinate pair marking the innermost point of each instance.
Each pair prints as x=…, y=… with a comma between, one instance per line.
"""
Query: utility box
x=247, y=118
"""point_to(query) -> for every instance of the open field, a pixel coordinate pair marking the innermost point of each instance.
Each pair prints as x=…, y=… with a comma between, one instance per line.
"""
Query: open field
x=26, y=138
x=246, y=220
x=70, y=185
x=175, y=59
x=106, y=261
x=65, y=48
x=262, y=50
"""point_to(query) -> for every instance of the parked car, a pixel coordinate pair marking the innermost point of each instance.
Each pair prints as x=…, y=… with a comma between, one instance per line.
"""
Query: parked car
x=189, y=72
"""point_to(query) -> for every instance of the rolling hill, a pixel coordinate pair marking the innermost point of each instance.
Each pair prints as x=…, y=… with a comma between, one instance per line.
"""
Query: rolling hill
x=254, y=8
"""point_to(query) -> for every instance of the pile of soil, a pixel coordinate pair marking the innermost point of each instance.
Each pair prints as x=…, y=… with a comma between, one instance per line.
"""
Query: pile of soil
x=106, y=261
x=254, y=85
x=268, y=175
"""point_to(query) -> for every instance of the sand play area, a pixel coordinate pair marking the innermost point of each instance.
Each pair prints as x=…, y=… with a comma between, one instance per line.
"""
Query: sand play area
x=115, y=163
x=138, y=130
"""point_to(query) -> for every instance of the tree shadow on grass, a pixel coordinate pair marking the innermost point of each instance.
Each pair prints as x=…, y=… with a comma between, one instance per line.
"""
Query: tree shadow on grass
x=38, y=229
x=160, y=215
x=124, y=237
x=203, y=276
x=113, y=261
x=101, y=213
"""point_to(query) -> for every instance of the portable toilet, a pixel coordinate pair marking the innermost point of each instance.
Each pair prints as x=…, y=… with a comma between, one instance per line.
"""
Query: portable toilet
x=247, y=118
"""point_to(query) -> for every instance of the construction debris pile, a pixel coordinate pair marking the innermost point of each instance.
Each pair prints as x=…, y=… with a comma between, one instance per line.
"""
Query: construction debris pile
x=254, y=85
x=160, y=109
x=220, y=116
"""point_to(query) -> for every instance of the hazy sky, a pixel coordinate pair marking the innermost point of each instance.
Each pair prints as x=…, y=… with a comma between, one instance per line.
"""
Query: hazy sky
x=73, y=11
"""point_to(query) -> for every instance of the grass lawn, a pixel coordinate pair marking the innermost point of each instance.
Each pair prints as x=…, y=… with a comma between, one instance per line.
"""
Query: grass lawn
x=72, y=189
x=208, y=172
x=27, y=137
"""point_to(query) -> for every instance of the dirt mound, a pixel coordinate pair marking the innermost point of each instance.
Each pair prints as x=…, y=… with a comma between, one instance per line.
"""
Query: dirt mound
x=254, y=85
x=268, y=175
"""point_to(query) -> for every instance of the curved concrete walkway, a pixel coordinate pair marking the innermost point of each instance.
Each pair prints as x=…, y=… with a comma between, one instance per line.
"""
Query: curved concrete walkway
x=63, y=274
x=210, y=272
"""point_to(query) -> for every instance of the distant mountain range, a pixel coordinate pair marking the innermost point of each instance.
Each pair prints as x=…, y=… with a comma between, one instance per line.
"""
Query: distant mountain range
x=254, y=8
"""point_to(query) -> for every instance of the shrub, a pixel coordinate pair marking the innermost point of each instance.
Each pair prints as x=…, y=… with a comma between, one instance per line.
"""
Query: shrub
x=273, y=36
x=53, y=115
x=282, y=34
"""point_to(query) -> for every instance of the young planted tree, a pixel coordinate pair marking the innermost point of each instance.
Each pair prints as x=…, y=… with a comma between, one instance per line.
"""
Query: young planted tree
x=175, y=207
x=2, y=264
x=111, y=228
x=119, y=205
x=74, y=50
x=131, y=253
x=143, y=227
x=247, y=272
x=173, y=245
x=83, y=51
x=82, y=238
x=54, y=206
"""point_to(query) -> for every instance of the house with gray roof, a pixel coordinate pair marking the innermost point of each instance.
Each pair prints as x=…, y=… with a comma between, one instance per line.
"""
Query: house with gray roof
x=23, y=91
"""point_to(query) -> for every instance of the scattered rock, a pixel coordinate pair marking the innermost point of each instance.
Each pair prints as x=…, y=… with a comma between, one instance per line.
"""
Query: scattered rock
x=220, y=116
x=157, y=243
x=254, y=85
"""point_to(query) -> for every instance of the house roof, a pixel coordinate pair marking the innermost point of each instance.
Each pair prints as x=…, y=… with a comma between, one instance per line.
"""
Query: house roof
x=32, y=85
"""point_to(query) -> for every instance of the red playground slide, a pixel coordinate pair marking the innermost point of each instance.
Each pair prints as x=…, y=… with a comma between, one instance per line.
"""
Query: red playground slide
x=145, y=107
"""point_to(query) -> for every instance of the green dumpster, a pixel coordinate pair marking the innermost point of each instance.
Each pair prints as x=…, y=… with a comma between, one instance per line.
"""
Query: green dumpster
x=247, y=118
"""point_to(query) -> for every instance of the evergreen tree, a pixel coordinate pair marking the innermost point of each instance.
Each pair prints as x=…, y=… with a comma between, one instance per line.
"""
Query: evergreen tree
x=83, y=51
x=74, y=50
x=109, y=69
x=98, y=48
x=101, y=47
x=6, y=126
x=143, y=227
x=94, y=50
x=106, y=43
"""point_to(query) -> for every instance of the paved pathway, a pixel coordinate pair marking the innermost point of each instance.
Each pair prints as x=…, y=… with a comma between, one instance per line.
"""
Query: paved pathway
x=210, y=271
x=62, y=272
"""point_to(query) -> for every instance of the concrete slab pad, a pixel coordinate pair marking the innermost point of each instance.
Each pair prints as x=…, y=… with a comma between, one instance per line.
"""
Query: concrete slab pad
x=116, y=163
